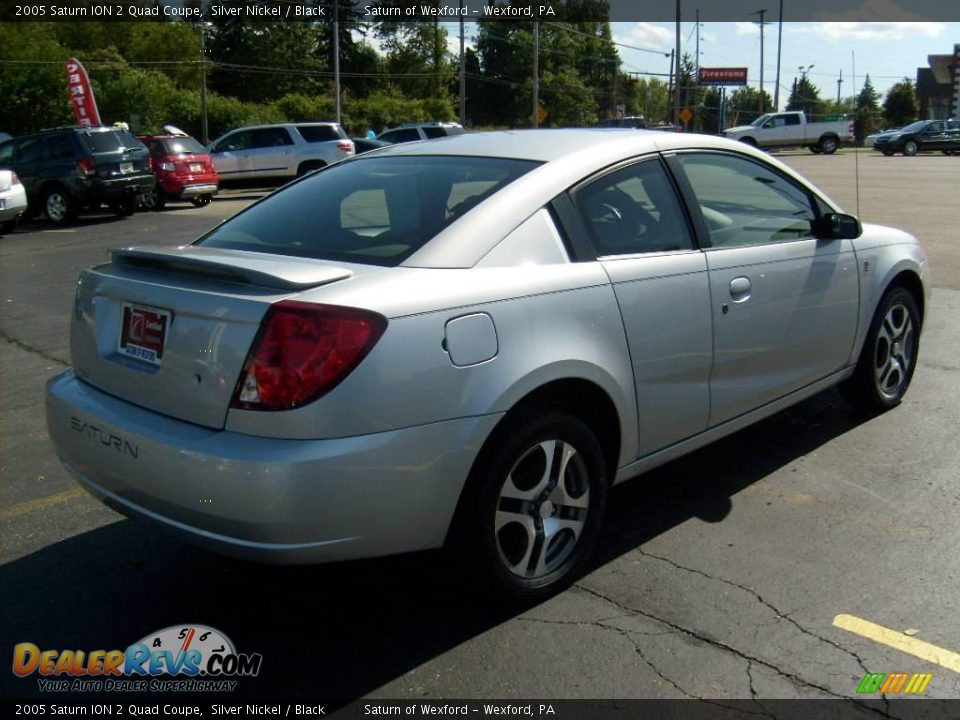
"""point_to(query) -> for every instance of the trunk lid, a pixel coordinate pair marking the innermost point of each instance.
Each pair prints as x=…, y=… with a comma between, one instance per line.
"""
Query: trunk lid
x=169, y=329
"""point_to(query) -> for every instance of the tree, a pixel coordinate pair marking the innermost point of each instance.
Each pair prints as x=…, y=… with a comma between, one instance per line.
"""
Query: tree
x=742, y=105
x=806, y=97
x=867, y=112
x=900, y=105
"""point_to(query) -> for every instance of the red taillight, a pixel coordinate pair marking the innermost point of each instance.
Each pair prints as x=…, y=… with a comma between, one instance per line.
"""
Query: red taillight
x=88, y=166
x=14, y=180
x=302, y=352
x=345, y=145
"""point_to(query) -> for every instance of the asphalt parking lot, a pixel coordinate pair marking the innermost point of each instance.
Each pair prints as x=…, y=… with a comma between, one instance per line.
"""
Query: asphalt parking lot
x=721, y=575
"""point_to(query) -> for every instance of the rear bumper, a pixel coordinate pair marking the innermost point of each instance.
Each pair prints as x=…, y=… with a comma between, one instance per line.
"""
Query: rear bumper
x=121, y=187
x=12, y=203
x=192, y=191
x=279, y=501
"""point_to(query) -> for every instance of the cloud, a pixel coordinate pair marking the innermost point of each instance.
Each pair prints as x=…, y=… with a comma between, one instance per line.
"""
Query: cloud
x=646, y=35
x=874, y=10
x=884, y=31
x=747, y=28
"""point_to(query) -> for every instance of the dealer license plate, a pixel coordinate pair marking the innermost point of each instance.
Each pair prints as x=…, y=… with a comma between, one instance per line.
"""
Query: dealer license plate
x=143, y=332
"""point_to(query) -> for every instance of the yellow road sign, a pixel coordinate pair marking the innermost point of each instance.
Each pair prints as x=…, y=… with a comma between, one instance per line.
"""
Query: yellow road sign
x=686, y=115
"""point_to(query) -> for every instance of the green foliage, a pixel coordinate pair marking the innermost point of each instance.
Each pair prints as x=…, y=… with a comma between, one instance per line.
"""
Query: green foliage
x=743, y=105
x=900, y=105
x=34, y=95
x=867, y=111
x=806, y=97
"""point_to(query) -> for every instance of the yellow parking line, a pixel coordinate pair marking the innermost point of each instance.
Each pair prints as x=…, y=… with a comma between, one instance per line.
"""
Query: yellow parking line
x=43, y=503
x=904, y=643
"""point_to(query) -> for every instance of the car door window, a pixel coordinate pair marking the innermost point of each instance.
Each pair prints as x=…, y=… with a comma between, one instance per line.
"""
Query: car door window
x=59, y=147
x=634, y=210
x=434, y=132
x=401, y=136
x=6, y=154
x=271, y=137
x=235, y=142
x=743, y=202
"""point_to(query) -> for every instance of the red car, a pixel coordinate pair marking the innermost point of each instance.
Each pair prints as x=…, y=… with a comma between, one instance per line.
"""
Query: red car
x=183, y=169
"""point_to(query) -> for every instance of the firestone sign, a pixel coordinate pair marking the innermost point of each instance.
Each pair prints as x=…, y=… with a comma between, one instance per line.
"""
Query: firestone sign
x=723, y=76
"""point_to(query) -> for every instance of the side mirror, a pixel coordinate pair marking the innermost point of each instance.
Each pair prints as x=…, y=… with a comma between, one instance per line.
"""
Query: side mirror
x=836, y=226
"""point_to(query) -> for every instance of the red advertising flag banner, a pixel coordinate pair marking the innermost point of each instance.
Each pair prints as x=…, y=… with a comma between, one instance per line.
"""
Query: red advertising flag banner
x=81, y=94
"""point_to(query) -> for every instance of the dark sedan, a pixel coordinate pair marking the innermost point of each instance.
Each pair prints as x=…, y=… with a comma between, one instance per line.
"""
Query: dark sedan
x=930, y=135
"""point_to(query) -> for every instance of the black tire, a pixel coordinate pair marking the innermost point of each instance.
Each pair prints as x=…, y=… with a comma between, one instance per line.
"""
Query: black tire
x=828, y=144
x=153, y=199
x=7, y=228
x=310, y=166
x=201, y=200
x=749, y=141
x=124, y=207
x=888, y=153
x=514, y=556
x=815, y=149
x=58, y=206
x=911, y=148
x=889, y=354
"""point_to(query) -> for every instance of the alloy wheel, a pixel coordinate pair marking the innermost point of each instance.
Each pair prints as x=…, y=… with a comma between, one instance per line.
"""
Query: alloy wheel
x=894, y=351
x=542, y=509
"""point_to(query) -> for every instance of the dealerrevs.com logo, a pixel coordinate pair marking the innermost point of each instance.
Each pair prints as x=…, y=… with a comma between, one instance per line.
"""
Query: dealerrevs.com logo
x=187, y=658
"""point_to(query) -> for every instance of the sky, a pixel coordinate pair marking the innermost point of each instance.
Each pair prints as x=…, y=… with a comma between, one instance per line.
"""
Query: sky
x=888, y=51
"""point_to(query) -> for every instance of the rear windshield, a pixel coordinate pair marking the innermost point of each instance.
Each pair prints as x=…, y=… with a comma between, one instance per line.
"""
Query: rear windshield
x=110, y=141
x=321, y=133
x=183, y=146
x=377, y=210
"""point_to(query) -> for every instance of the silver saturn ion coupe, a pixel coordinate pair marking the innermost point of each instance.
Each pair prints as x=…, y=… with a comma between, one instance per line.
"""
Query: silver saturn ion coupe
x=467, y=341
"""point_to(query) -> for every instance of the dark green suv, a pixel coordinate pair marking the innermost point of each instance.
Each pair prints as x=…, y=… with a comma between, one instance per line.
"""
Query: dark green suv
x=65, y=170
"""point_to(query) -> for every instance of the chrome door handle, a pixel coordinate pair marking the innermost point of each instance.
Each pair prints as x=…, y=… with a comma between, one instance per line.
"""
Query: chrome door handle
x=740, y=289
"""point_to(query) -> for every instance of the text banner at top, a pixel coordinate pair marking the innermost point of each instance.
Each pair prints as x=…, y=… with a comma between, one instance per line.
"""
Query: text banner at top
x=470, y=10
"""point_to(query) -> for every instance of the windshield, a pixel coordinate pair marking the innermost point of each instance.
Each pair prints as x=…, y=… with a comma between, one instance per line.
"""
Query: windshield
x=377, y=210
x=914, y=127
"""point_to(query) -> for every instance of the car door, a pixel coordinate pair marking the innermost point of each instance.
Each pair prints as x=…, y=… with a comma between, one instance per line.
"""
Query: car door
x=783, y=129
x=642, y=237
x=784, y=304
x=232, y=155
x=934, y=137
x=272, y=151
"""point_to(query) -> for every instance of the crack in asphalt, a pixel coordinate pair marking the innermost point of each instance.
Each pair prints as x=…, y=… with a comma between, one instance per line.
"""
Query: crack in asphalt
x=33, y=350
x=763, y=601
x=724, y=646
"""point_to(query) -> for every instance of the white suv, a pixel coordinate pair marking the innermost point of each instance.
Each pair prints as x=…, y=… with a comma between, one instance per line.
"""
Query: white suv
x=278, y=152
x=420, y=131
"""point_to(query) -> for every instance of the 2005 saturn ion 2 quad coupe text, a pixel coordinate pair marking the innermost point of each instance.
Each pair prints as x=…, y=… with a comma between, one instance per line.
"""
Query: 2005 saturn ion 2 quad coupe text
x=468, y=340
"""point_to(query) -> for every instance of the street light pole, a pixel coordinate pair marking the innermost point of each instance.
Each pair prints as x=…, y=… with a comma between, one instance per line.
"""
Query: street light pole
x=463, y=75
x=536, y=74
x=776, y=89
x=761, y=13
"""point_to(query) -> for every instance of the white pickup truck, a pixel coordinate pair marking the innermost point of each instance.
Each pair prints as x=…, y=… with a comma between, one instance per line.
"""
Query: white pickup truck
x=791, y=129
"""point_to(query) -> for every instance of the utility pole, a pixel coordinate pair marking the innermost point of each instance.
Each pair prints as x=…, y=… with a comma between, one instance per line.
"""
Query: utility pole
x=676, y=100
x=670, y=87
x=336, y=56
x=204, y=129
x=697, y=63
x=463, y=75
x=760, y=22
x=536, y=74
x=839, y=83
x=776, y=90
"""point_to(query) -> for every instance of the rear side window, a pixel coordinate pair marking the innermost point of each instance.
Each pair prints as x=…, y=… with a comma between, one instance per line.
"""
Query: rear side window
x=271, y=137
x=60, y=146
x=321, y=133
x=377, y=211
x=434, y=132
x=6, y=154
x=634, y=210
x=31, y=150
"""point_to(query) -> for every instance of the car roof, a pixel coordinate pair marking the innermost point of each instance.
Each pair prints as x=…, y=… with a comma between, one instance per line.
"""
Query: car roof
x=552, y=144
x=568, y=156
